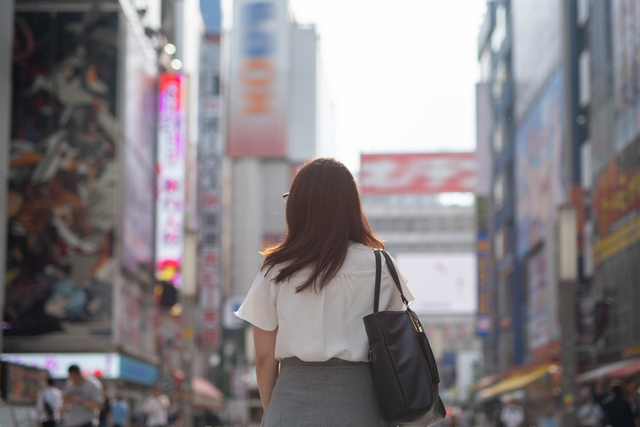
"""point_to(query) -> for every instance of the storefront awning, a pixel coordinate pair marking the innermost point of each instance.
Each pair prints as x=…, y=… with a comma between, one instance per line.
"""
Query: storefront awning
x=625, y=368
x=629, y=370
x=205, y=394
x=515, y=381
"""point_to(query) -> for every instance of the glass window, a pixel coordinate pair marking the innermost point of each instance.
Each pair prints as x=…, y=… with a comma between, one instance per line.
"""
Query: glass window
x=485, y=65
x=497, y=140
x=500, y=30
x=498, y=191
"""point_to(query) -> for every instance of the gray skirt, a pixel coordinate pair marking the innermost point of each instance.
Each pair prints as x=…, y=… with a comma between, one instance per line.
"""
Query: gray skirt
x=323, y=394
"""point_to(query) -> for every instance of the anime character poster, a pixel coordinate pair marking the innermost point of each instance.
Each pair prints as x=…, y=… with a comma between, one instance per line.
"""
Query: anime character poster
x=540, y=176
x=63, y=175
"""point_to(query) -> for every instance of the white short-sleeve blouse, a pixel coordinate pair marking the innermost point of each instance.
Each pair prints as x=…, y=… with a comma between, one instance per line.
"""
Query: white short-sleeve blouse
x=316, y=327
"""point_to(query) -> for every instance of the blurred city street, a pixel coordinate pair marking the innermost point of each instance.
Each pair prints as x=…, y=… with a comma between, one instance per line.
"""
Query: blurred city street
x=146, y=145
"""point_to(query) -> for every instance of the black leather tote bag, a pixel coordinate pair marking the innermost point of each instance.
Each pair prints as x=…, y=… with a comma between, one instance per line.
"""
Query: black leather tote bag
x=404, y=369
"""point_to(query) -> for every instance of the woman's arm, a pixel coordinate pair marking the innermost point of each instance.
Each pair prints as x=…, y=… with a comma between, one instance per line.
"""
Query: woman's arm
x=266, y=362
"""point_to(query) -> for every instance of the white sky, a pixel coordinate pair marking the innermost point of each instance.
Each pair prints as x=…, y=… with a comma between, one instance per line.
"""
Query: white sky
x=401, y=74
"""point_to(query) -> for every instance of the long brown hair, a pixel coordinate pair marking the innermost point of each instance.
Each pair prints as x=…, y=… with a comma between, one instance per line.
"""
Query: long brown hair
x=324, y=214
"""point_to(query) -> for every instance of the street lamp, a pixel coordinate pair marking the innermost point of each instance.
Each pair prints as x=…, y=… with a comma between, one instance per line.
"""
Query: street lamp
x=567, y=276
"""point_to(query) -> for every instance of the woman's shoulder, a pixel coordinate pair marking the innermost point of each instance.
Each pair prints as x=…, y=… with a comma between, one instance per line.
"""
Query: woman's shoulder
x=359, y=258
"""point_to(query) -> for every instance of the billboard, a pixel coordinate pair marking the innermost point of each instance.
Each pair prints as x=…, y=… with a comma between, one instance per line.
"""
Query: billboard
x=443, y=283
x=63, y=175
x=210, y=195
x=100, y=365
x=259, y=79
x=170, y=178
x=616, y=203
x=139, y=122
x=424, y=173
x=540, y=178
x=626, y=59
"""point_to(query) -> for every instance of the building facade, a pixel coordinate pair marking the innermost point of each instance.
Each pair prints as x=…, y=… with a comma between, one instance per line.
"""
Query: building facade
x=273, y=124
x=562, y=133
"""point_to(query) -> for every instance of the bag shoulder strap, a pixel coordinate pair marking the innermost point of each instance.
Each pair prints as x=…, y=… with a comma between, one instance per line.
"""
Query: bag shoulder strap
x=394, y=276
x=376, y=296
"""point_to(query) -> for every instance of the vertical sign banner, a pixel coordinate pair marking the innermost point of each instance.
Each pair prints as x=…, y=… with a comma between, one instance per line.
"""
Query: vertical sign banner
x=258, y=82
x=483, y=316
x=139, y=157
x=170, y=179
x=210, y=189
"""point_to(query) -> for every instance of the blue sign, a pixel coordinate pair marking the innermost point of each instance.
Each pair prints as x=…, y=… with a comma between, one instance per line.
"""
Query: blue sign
x=138, y=372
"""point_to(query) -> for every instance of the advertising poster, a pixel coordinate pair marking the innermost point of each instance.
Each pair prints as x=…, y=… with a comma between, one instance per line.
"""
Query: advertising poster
x=537, y=296
x=170, y=178
x=442, y=283
x=139, y=120
x=626, y=70
x=210, y=190
x=63, y=175
x=423, y=173
x=616, y=203
x=540, y=177
x=20, y=384
x=259, y=79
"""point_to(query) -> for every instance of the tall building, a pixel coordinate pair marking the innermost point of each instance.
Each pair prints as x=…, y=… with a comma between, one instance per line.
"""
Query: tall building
x=574, y=140
x=273, y=125
x=611, y=172
x=79, y=271
x=102, y=212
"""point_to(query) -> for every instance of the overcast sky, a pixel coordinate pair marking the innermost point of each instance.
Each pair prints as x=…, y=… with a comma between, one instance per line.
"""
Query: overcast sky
x=401, y=74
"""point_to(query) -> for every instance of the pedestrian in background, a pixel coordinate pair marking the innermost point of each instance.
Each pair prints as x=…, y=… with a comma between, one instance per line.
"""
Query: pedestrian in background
x=617, y=410
x=155, y=407
x=512, y=414
x=105, y=411
x=49, y=404
x=590, y=413
x=82, y=398
x=308, y=301
x=119, y=411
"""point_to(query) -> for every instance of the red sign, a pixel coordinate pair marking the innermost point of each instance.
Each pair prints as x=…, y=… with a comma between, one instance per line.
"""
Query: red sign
x=425, y=173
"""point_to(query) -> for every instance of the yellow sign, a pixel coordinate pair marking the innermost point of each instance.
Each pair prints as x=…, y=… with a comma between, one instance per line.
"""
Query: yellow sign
x=188, y=334
x=617, y=241
x=631, y=351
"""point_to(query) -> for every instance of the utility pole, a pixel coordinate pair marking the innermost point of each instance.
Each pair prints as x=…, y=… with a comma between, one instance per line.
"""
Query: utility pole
x=189, y=292
x=568, y=275
x=6, y=52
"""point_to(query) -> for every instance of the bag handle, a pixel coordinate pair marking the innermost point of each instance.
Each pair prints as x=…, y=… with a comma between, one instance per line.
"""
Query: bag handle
x=394, y=276
x=376, y=295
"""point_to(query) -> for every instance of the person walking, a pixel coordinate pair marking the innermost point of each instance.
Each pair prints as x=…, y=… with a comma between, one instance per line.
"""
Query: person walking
x=82, y=397
x=48, y=404
x=119, y=411
x=105, y=411
x=512, y=414
x=590, y=413
x=155, y=407
x=617, y=410
x=308, y=301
